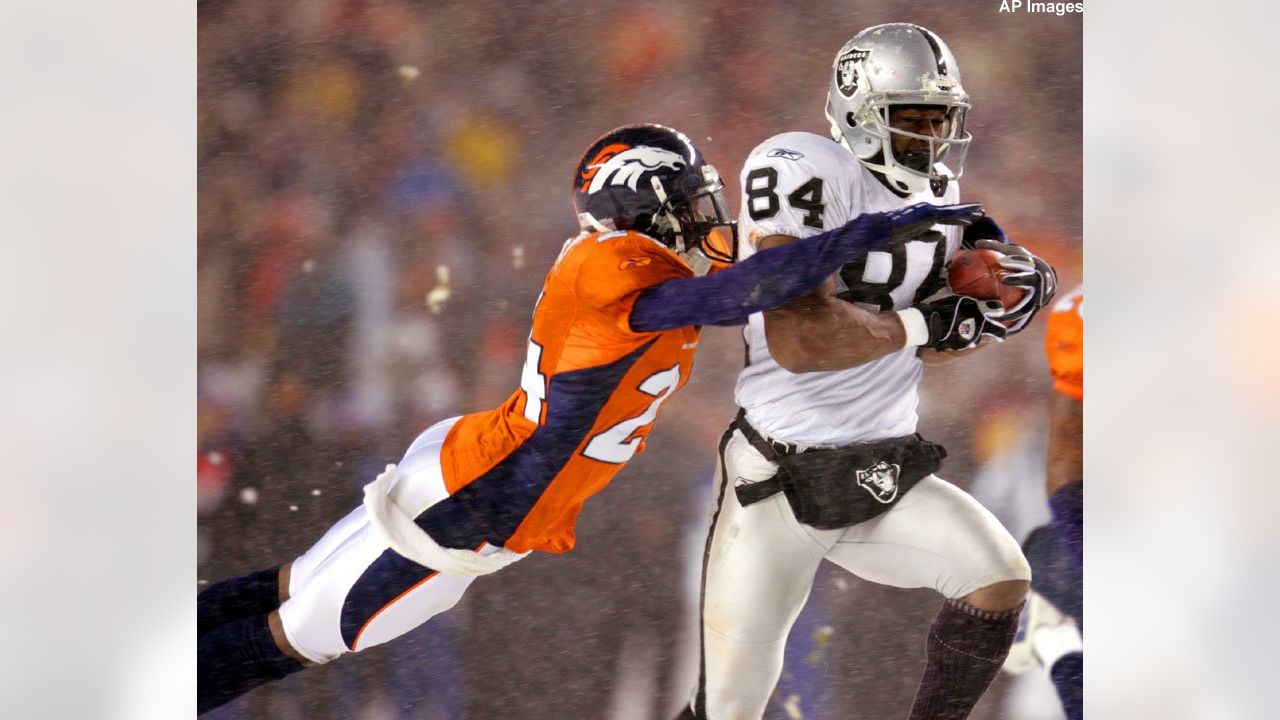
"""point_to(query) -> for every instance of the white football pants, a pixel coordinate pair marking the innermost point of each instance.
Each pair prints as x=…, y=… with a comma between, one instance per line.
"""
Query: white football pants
x=761, y=564
x=350, y=591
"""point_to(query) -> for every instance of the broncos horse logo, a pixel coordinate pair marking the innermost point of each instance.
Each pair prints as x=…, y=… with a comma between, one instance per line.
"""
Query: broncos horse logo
x=622, y=165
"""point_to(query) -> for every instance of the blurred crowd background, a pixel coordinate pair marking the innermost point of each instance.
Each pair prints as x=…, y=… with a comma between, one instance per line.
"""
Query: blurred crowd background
x=382, y=186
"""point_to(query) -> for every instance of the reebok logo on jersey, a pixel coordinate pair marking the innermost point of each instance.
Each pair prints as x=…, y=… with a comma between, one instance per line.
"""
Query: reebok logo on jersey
x=881, y=480
x=689, y=346
x=785, y=153
x=634, y=262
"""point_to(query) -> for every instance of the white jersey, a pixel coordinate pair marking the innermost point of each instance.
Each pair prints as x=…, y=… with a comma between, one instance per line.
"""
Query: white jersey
x=801, y=184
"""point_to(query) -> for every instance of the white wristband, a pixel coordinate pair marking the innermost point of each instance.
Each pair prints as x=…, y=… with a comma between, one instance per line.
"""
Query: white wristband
x=917, y=329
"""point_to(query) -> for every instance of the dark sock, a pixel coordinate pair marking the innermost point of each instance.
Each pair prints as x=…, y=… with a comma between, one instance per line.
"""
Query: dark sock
x=1067, y=506
x=257, y=593
x=1068, y=678
x=236, y=658
x=1054, y=574
x=966, y=648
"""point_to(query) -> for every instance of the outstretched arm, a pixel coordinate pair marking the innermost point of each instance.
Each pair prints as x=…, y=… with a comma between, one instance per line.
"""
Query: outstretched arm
x=778, y=275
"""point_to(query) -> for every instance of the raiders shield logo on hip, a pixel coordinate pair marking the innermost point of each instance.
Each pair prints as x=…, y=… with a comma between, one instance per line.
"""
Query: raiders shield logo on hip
x=881, y=480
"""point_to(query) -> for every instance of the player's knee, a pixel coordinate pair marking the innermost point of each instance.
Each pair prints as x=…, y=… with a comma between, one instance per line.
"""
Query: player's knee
x=728, y=631
x=995, y=572
x=999, y=596
x=998, y=578
x=282, y=581
x=1014, y=563
x=275, y=625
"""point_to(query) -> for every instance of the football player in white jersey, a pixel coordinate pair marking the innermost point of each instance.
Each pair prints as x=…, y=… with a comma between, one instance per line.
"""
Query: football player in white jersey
x=823, y=460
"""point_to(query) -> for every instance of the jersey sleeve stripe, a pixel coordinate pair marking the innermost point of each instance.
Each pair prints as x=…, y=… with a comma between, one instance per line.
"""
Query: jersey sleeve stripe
x=354, y=644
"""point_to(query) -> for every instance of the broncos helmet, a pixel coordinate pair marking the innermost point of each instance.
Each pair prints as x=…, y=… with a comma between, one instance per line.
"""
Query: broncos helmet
x=651, y=179
x=899, y=64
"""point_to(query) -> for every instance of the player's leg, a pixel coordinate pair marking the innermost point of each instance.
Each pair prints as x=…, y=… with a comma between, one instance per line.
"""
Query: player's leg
x=1067, y=506
x=261, y=592
x=1057, y=578
x=756, y=577
x=938, y=536
x=1054, y=573
x=242, y=653
x=360, y=593
x=254, y=594
x=347, y=593
x=1067, y=673
x=236, y=657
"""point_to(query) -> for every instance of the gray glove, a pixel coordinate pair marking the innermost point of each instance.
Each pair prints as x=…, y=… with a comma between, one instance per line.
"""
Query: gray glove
x=1037, y=279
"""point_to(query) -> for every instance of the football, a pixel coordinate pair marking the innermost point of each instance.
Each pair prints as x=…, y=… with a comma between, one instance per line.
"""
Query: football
x=977, y=274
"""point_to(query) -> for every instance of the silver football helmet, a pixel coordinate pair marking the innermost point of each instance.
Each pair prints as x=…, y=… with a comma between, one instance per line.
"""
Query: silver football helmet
x=894, y=65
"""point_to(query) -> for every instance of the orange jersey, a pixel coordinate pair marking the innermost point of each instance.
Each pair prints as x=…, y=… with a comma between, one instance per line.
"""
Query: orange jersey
x=589, y=394
x=1064, y=344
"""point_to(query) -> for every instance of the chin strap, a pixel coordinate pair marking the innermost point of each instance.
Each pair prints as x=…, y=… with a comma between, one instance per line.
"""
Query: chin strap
x=587, y=219
x=677, y=231
x=692, y=256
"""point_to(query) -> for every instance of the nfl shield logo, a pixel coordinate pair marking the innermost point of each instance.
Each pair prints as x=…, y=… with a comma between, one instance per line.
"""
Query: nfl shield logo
x=881, y=480
x=967, y=326
x=847, y=70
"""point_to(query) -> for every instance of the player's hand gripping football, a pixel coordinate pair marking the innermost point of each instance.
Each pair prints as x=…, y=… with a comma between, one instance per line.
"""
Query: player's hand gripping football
x=957, y=322
x=1026, y=271
x=915, y=220
x=1035, y=276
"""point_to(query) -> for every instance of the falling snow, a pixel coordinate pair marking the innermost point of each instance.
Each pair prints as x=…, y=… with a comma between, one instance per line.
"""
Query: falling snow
x=374, y=171
x=441, y=292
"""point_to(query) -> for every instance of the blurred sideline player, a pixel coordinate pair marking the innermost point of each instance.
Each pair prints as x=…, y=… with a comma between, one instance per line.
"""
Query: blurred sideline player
x=1055, y=551
x=614, y=334
x=823, y=461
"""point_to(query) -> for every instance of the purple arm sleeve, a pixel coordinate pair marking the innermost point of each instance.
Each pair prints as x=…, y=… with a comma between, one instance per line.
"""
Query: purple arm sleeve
x=766, y=280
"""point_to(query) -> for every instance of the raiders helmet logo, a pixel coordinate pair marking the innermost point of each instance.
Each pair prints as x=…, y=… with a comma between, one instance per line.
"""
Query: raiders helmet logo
x=881, y=480
x=848, y=67
x=625, y=167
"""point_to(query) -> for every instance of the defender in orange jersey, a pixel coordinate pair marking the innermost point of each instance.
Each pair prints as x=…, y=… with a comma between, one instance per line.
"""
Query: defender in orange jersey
x=1064, y=345
x=1054, y=619
x=613, y=338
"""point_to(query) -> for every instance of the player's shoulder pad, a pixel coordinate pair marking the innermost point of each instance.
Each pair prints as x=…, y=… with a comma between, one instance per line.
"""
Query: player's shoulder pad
x=611, y=265
x=802, y=152
x=622, y=242
x=592, y=244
